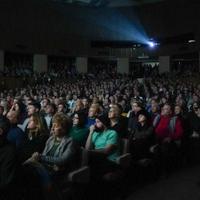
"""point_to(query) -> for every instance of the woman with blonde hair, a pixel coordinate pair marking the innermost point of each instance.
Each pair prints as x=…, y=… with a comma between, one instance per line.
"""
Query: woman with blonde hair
x=77, y=107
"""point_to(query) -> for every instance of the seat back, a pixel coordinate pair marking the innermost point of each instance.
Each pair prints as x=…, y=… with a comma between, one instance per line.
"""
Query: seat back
x=82, y=174
x=124, y=146
x=84, y=157
x=124, y=159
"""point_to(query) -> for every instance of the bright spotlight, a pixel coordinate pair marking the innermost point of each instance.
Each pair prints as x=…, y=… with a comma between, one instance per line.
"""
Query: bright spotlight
x=151, y=44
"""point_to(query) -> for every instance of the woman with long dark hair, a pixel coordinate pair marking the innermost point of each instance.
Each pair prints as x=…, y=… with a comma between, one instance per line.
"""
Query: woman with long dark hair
x=37, y=136
x=79, y=131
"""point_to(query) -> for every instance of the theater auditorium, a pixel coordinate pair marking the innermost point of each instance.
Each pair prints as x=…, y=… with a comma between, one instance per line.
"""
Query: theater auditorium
x=99, y=100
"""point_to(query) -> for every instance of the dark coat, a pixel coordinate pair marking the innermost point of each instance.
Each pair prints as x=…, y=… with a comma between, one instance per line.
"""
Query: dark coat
x=7, y=165
x=141, y=141
x=26, y=150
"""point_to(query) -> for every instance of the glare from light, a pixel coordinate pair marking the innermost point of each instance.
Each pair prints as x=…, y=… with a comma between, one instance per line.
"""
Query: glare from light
x=191, y=41
x=151, y=44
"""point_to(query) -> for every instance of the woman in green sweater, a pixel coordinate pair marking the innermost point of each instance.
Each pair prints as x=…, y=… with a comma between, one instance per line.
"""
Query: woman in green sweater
x=79, y=131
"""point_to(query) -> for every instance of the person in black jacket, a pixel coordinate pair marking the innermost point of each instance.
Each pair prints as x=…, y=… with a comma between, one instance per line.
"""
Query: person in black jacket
x=137, y=106
x=37, y=135
x=118, y=122
x=142, y=138
x=7, y=162
x=194, y=134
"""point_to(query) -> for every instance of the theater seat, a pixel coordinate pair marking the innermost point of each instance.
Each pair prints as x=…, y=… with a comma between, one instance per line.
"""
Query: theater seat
x=124, y=160
x=82, y=174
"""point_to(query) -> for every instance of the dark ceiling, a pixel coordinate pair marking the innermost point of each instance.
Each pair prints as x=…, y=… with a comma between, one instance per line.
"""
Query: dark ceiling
x=54, y=26
x=109, y=3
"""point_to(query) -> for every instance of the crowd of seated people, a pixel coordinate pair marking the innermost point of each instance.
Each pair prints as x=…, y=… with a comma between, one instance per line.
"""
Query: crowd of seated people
x=16, y=71
x=17, y=66
x=43, y=127
x=142, y=69
x=107, y=69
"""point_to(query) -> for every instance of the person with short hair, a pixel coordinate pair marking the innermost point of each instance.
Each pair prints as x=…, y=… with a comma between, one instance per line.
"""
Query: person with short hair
x=85, y=105
x=117, y=121
x=194, y=133
x=61, y=108
x=49, y=113
x=103, y=146
x=44, y=104
x=136, y=107
x=32, y=107
x=163, y=132
x=15, y=134
x=92, y=113
x=142, y=138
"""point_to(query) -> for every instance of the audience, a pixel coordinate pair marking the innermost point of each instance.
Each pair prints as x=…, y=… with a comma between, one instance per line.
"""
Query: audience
x=49, y=121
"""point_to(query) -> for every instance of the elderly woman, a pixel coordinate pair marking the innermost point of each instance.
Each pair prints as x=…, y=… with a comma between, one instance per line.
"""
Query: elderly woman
x=59, y=155
x=60, y=148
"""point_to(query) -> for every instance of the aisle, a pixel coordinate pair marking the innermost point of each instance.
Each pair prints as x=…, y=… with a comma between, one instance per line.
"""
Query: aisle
x=182, y=185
